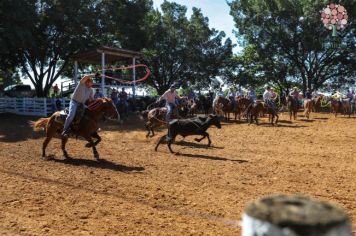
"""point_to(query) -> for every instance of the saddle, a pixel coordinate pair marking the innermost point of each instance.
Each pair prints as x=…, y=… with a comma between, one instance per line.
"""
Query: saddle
x=77, y=118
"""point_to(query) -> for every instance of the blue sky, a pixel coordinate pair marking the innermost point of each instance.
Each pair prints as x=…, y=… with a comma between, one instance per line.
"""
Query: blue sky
x=216, y=10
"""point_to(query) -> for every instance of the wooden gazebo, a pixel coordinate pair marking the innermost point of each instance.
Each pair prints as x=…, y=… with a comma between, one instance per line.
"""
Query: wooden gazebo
x=105, y=55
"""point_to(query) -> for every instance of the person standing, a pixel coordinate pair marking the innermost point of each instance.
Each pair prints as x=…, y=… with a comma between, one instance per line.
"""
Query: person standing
x=123, y=98
x=98, y=94
x=55, y=90
x=114, y=97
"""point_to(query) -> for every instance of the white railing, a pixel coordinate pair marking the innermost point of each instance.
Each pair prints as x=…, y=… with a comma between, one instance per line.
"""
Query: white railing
x=31, y=106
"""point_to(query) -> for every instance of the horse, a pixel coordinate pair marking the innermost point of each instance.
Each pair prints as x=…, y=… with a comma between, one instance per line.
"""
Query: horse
x=156, y=117
x=223, y=106
x=293, y=107
x=242, y=106
x=258, y=107
x=122, y=108
x=310, y=104
x=192, y=107
x=335, y=106
x=204, y=104
x=86, y=128
x=346, y=106
x=353, y=105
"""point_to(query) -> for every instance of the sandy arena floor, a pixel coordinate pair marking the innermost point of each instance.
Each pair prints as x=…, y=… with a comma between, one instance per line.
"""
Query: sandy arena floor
x=137, y=191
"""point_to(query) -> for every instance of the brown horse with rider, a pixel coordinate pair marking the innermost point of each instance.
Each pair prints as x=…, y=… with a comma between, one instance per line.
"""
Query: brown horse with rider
x=86, y=127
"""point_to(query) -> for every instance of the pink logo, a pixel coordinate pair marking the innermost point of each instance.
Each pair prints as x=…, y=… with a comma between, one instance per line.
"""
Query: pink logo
x=334, y=17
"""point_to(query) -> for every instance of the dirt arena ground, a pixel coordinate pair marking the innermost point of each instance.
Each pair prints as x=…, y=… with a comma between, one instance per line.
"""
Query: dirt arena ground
x=137, y=191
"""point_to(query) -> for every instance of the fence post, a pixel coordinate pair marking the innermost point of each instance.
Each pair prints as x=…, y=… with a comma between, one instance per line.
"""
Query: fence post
x=45, y=106
x=294, y=216
x=24, y=103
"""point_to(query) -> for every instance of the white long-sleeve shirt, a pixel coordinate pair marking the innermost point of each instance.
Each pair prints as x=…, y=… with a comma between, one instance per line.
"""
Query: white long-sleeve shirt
x=267, y=95
x=170, y=96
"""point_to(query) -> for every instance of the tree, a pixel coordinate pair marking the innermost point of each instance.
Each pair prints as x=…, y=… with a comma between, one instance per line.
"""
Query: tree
x=181, y=51
x=48, y=32
x=289, y=33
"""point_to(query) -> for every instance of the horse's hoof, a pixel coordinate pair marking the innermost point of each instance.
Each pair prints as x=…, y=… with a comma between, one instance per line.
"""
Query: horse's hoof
x=197, y=140
x=65, y=154
x=88, y=145
x=96, y=155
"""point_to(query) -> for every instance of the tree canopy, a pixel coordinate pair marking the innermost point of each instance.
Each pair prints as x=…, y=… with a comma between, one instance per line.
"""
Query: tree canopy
x=183, y=51
x=290, y=43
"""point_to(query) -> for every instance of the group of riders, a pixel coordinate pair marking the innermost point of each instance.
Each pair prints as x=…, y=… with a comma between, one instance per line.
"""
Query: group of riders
x=83, y=93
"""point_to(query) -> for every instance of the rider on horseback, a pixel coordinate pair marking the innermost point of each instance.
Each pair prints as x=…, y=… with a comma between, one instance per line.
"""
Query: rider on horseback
x=349, y=95
x=170, y=96
x=308, y=94
x=81, y=95
x=251, y=95
x=231, y=97
x=268, y=98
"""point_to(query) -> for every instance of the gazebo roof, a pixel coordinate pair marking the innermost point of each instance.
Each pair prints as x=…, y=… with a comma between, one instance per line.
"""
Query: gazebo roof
x=111, y=55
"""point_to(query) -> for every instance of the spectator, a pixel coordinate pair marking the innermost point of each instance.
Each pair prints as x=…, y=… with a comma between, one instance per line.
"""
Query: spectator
x=114, y=97
x=55, y=90
x=53, y=104
x=191, y=95
x=98, y=94
x=123, y=98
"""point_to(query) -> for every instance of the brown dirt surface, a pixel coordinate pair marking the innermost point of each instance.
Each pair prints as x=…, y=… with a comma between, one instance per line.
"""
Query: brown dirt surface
x=137, y=191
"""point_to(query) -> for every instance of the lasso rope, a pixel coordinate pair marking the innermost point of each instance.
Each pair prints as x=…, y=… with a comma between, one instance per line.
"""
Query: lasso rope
x=326, y=104
x=279, y=99
x=148, y=72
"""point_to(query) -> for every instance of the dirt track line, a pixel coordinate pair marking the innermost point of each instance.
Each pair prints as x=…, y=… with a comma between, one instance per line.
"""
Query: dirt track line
x=191, y=213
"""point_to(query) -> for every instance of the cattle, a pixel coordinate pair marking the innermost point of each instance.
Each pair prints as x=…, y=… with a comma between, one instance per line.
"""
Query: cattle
x=186, y=127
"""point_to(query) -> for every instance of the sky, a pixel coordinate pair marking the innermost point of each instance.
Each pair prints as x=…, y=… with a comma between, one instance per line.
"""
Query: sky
x=216, y=10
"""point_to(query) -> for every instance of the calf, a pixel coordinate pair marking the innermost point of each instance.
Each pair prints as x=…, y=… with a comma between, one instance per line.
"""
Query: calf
x=186, y=127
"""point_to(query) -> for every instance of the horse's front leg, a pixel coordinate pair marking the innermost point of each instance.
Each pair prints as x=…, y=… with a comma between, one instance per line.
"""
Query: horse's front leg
x=92, y=144
x=277, y=118
x=207, y=135
x=200, y=139
x=64, y=141
x=98, y=139
x=148, y=129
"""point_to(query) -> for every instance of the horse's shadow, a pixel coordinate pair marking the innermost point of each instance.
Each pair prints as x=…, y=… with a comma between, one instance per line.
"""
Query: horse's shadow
x=307, y=120
x=100, y=164
x=281, y=125
x=320, y=118
x=215, y=158
x=195, y=145
x=285, y=121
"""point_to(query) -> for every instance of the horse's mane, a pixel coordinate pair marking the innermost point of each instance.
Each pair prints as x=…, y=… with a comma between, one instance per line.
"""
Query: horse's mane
x=224, y=100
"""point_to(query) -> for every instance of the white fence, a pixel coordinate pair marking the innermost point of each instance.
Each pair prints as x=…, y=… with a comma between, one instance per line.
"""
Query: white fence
x=30, y=106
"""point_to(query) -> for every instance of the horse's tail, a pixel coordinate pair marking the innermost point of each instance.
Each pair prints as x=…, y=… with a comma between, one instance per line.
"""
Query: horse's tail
x=39, y=124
